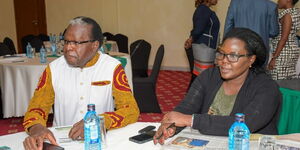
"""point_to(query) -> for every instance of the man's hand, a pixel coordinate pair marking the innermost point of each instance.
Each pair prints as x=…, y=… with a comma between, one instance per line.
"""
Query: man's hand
x=37, y=134
x=188, y=43
x=77, y=131
x=178, y=118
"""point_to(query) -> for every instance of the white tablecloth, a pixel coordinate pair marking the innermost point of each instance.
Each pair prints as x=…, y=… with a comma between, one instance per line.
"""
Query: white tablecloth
x=118, y=139
x=19, y=77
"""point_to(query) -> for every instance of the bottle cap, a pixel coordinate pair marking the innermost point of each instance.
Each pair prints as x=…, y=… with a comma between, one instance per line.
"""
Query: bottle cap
x=91, y=107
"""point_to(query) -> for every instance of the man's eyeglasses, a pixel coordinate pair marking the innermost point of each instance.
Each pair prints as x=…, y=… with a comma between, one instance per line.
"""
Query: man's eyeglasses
x=76, y=43
x=230, y=57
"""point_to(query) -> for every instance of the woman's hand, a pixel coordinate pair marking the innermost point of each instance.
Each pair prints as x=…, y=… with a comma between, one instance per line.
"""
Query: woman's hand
x=178, y=118
x=163, y=133
x=272, y=64
x=188, y=43
x=77, y=131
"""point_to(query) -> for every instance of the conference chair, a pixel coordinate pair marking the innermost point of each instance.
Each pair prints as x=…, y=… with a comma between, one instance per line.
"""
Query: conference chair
x=139, y=54
x=36, y=43
x=289, y=121
x=145, y=88
x=25, y=40
x=4, y=50
x=109, y=36
x=43, y=37
x=10, y=44
x=122, y=42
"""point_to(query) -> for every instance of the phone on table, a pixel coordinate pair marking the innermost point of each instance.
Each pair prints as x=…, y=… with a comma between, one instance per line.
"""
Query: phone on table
x=49, y=146
x=142, y=138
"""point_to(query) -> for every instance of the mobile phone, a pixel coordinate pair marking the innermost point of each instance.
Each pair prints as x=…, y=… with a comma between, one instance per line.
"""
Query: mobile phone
x=146, y=129
x=49, y=146
x=142, y=138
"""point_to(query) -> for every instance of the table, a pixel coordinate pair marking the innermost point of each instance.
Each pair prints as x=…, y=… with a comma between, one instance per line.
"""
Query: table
x=117, y=139
x=19, y=77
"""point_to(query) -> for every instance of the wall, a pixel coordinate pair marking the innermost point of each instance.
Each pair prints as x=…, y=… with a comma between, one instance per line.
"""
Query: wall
x=7, y=21
x=165, y=22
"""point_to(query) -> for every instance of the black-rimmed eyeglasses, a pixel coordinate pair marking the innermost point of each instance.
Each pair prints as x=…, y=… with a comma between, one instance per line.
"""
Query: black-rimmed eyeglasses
x=230, y=57
x=76, y=43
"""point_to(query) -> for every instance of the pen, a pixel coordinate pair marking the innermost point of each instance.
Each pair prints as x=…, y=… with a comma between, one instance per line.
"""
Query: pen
x=170, y=126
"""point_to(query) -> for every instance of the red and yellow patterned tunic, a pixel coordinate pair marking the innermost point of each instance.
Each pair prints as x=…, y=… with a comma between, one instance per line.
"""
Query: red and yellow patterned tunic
x=126, y=109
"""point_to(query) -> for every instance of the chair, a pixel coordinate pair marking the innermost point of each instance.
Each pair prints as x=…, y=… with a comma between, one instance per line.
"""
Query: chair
x=4, y=50
x=36, y=43
x=10, y=44
x=25, y=40
x=109, y=36
x=289, y=121
x=43, y=37
x=122, y=42
x=139, y=54
x=144, y=88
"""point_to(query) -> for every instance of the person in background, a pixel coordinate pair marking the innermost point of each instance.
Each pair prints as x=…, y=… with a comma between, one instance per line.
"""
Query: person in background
x=239, y=84
x=286, y=54
x=204, y=19
x=257, y=15
x=80, y=77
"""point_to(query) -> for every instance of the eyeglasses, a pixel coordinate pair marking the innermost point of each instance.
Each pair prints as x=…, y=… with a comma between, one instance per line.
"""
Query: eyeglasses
x=230, y=57
x=76, y=43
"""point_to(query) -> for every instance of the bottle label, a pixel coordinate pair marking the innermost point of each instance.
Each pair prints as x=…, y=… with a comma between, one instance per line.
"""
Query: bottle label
x=94, y=134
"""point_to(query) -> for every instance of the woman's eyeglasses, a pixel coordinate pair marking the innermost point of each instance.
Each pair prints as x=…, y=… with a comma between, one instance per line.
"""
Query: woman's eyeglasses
x=76, y=43
x=230, y=57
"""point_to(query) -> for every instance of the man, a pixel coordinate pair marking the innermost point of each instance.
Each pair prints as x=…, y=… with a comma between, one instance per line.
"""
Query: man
x=258, y=15
x=80, y=77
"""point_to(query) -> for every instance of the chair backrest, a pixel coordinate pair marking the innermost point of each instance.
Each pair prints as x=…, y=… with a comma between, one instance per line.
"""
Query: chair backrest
x=157, y=63
x=4, y=50
x=36, y=43
x=25, y=41
x=44, y=37
x=109, y=36
x=10, y=44
x=139, y=54
x=122, y=42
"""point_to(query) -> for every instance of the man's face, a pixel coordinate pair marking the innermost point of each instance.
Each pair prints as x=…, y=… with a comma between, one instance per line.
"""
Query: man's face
x=76, y=54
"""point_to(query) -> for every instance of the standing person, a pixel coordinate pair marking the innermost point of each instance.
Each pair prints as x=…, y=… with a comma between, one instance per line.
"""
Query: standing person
x=239, y=84
x=205, y=30
x=257, y=15
x=286, y=54
x=80, y=77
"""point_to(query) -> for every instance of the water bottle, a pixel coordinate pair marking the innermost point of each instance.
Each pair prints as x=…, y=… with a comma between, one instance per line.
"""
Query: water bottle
x=43, y=55
x=29, y=50
x=239, y=134
x=92, y=135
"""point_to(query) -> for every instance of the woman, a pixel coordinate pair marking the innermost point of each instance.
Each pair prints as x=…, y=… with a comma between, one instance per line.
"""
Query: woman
x=238, y=84
x=206, y=27
x=286, y=54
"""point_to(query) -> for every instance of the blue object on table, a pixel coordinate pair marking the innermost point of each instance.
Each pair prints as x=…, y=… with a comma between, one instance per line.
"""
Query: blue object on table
x=29, y=50
x=122, y=60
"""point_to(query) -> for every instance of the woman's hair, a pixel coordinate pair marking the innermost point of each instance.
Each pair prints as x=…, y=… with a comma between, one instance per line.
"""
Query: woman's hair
x=254, y=45
x=295, y=1
x=198, y=2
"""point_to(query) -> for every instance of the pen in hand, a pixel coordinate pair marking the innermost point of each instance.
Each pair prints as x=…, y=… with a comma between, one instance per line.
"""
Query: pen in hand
x=170, y=126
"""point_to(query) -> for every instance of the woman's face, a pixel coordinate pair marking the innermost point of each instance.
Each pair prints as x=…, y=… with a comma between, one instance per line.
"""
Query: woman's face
x=237, y=66
x=281, y=4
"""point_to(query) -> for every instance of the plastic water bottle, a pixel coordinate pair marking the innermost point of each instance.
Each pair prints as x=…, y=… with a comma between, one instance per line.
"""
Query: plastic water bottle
x=43, y=55
x=239, y=134
x=92, y=135
x=29, y=50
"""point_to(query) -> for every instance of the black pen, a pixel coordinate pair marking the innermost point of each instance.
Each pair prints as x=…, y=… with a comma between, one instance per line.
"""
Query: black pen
x=170, y=126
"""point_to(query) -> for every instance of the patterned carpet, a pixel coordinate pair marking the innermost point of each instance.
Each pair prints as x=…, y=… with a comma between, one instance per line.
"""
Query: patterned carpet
x=171, y=88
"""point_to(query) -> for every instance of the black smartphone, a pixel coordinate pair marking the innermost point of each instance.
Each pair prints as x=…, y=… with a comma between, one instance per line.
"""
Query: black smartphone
x=146, y=129
x=142, y=138
x=49, y=146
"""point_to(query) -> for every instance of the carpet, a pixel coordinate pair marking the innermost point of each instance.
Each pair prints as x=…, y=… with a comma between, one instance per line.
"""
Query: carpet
x=171, y=88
